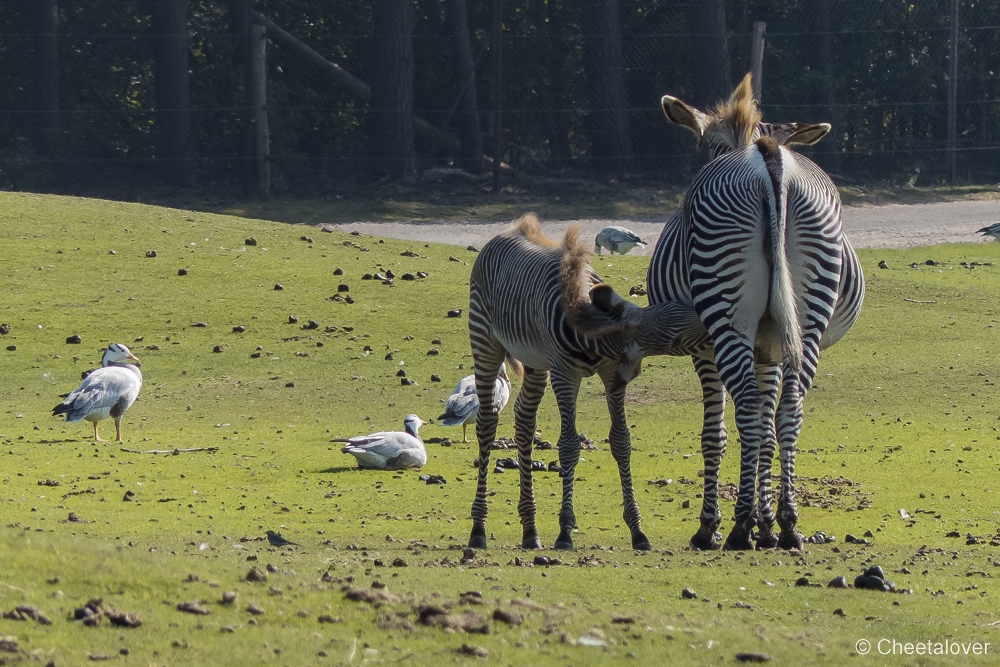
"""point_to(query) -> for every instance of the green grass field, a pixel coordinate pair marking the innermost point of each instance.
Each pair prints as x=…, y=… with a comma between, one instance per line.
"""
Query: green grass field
x=903, y=417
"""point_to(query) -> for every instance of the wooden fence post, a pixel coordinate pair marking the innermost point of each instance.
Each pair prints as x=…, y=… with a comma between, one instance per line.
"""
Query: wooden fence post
x=258, y=102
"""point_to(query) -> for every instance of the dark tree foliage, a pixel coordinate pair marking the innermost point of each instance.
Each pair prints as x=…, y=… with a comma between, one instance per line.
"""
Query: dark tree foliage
x=876, y=70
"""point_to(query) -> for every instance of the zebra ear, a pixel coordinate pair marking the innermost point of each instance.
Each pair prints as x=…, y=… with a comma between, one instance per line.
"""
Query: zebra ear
x=603, y=297
x=804, y=134
x=679, y=113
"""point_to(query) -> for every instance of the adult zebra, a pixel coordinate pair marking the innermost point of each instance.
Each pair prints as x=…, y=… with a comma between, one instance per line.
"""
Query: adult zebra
x=758, y=250
x=527, y=294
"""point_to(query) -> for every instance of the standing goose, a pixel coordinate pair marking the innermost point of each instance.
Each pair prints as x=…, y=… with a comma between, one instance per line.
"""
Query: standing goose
x=617, y=239
x=107, y=391
x=463, y=404
x=389, y=450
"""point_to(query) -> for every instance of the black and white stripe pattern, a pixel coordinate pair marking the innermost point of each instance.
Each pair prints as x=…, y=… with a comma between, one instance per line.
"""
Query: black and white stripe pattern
x=758, y=250
x=527, y=300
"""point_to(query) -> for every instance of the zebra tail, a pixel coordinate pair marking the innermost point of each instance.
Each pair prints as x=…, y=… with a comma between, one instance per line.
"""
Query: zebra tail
x=516, y=366
x=783, y=303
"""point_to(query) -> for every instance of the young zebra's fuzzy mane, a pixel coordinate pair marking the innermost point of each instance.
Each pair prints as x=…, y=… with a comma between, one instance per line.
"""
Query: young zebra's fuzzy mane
x=572, y=272
x=530, y=228
x=737, y=117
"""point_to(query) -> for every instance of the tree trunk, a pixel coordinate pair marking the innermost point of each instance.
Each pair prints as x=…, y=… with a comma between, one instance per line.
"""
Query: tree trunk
x=45, y=128
x=239, y=24
x=391, y=111
x=824, y=93
x=467, y=112
x=609, y=128
x=711, y=80
x=173, y=90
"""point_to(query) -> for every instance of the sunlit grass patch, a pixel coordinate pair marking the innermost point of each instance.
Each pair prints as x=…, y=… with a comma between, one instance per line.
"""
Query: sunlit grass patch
x=903, y=416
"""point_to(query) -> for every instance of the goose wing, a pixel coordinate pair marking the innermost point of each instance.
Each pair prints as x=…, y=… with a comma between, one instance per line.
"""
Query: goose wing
x=463, y=404
x=625, y=235
x=102, y=390
x=501, y=393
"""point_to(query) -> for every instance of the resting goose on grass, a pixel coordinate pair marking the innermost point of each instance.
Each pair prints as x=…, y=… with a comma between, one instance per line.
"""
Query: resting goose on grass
x=389, y=450
x=463, y=404
x=107, y=391
x=617, y=240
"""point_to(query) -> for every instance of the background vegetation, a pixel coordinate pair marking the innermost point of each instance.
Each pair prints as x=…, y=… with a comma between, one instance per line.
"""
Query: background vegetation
x=899, y=442
x=877, y=70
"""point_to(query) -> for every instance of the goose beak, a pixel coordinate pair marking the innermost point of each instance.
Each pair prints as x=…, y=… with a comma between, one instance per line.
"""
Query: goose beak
x=133, y=358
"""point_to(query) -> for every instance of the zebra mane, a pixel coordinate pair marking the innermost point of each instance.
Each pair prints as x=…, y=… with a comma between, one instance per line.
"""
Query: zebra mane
x=530, y=228
x=736, y=118
x=572, y=272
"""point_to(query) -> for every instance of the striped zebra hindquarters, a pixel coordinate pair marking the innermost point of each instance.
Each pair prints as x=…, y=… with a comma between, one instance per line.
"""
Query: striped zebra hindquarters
x=733, y=126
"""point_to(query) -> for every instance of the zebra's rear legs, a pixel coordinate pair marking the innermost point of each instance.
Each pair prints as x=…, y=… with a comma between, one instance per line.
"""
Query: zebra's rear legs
x=713, y=447
x=768, y=377
x=789, y=424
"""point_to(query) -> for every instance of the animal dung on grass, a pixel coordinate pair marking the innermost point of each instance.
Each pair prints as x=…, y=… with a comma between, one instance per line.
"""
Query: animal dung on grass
x=73, y=340
x=250, y=241
x=150, y=254
x=182, y=272
x=455, y=313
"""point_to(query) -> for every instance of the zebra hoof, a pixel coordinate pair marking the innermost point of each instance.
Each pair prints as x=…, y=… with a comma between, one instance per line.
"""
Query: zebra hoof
x=478, y=538
x=531, y=542
x=564, y=542
x=790, y=540
x=640, y=543
x=738, y=540
x=767, y=541
x=703, y=543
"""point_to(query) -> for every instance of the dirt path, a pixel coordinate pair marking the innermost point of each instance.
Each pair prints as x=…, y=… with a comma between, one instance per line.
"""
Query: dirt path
x=893, y=226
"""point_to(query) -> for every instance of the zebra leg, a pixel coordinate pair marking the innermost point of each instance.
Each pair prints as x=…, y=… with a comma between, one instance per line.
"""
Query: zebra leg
x=525, y=422
x=789, y=424
x=768, y=378
x=734, y=355
x=566, y=390
x=621, y=449
x=487, y=367
x=713, y=448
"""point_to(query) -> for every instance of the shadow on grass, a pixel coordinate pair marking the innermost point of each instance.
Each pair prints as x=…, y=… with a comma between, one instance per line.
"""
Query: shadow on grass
x=336, y=469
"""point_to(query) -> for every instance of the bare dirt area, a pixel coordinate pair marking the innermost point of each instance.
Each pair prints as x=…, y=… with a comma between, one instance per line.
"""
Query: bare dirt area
x=890, y=226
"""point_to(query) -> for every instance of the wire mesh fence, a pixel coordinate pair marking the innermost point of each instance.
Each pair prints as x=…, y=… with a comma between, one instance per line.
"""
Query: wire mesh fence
x=879, y=71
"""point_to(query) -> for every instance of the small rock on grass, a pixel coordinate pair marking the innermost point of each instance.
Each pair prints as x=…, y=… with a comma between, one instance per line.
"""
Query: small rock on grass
x=470, y=649
x=689, y=594
x=193, y=607
x=27, y=612
x=743, y=656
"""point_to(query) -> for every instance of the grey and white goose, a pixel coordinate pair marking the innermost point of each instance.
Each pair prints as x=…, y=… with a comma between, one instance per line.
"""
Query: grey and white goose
x=462, y=406
x=389, y=450
x=106, y=392
x=617, y=239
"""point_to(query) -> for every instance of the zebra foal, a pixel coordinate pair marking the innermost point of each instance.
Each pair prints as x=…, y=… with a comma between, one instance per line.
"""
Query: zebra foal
x=759, y=251
x=527, y=295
